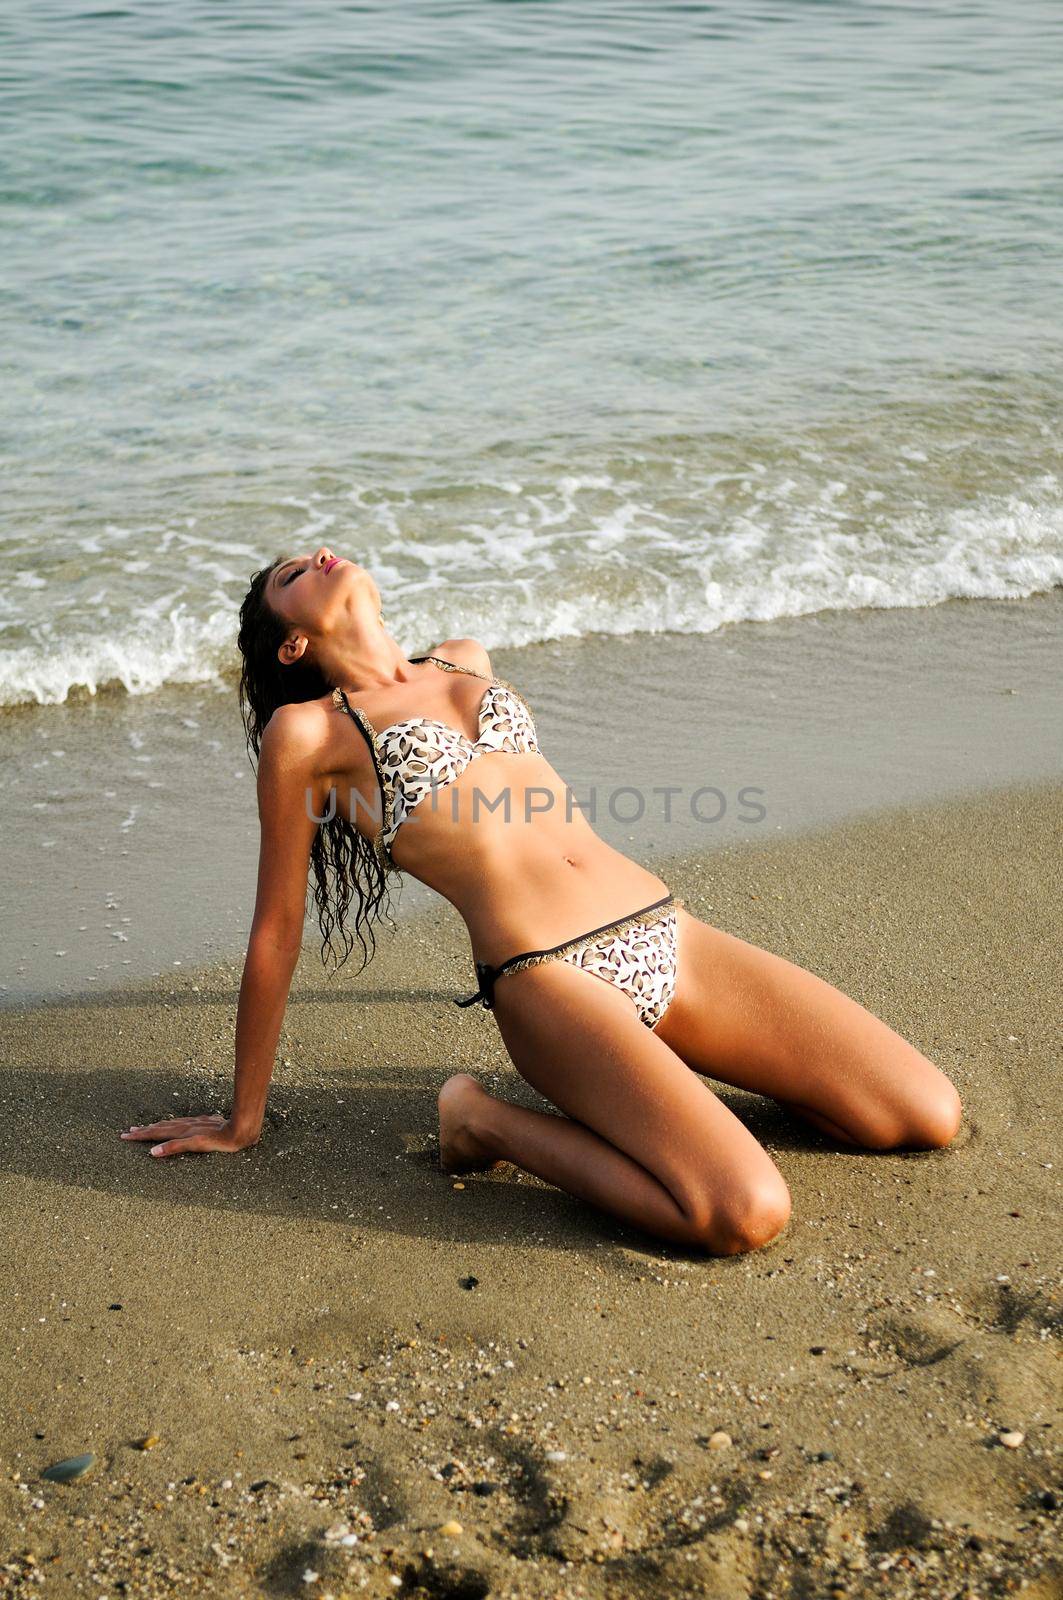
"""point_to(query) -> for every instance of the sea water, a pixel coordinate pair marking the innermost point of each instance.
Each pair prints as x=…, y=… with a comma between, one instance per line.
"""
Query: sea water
x=684, y=354
x=562, y=318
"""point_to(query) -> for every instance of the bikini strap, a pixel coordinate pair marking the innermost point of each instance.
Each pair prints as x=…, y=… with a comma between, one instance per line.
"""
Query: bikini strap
x=369, y=733
x=358, y=716
x=452, y=666
x=486, y=974
x=617, y=925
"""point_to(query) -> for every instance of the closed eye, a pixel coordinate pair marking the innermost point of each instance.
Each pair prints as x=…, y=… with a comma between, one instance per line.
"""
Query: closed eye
x=291, y=576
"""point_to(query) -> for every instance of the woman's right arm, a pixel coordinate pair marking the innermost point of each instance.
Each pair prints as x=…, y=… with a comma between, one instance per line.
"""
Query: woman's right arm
x=288, y=804
x=267, y=978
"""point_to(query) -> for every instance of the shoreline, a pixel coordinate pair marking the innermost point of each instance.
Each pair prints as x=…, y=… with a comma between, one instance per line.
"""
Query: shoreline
x=133, y=837
x=415, y=1351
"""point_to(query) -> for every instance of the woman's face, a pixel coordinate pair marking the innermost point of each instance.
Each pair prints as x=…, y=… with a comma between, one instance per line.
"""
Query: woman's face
x=314, y=595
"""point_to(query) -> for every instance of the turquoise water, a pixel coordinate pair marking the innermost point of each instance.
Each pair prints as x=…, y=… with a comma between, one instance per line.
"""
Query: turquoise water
x=562, y=318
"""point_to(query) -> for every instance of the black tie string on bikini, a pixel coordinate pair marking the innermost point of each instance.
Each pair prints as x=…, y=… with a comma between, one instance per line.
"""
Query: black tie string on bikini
x=487, y=974
x=486, y=977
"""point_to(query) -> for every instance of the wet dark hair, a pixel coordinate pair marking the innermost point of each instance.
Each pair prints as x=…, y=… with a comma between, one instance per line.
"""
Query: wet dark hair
x=343, y=860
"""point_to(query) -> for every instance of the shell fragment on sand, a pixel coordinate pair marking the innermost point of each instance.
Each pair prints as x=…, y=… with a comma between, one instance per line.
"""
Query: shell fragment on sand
x=72, y=1468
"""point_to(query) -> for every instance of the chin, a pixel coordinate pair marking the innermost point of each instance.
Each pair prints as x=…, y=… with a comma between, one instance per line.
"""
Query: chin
x=350, y=575
x=357, y=581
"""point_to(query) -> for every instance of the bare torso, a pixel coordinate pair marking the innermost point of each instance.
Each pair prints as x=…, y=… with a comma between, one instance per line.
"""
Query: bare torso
x=504, y=843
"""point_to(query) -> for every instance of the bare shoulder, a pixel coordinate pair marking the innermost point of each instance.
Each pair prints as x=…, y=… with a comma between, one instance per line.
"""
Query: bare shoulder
x=465, y=653
x=294, y=735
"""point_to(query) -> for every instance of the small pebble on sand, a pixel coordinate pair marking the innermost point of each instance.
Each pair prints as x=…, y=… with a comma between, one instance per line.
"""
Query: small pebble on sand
x=720, y=1440
x=1012, y=1438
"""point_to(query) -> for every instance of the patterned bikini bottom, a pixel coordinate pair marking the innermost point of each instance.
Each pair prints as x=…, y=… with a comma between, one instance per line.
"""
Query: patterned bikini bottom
x=637, y=953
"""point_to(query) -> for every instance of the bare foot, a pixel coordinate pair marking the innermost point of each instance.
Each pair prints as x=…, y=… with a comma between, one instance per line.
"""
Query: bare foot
x=459, y=1148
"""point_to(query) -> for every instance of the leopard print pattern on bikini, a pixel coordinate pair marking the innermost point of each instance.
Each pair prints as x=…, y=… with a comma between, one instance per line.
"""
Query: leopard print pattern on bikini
x=641, y=957
x=642, y=961
x=418, y=754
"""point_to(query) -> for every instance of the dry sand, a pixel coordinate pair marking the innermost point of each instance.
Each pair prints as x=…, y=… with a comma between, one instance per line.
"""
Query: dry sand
x=325, y=1338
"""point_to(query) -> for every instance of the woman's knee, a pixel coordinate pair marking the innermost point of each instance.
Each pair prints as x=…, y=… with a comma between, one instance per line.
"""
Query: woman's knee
x=938, y=1119
x=929, y=1123
x=732, y=1226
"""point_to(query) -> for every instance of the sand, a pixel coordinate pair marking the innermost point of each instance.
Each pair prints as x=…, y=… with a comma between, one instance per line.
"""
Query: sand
x=323, y=1367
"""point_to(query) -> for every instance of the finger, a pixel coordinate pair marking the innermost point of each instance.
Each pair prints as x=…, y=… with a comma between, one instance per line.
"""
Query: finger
x=157, y=1130
x=174, y=1126
x=188, y=1145
x=172, y=1147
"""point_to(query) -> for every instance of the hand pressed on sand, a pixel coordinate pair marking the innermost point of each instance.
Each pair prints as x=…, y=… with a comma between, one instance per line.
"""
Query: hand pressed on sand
x=188, y=1135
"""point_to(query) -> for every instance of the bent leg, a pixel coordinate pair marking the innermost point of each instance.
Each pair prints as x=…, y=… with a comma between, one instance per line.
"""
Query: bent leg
x=642, y=1136
x=758, y=1021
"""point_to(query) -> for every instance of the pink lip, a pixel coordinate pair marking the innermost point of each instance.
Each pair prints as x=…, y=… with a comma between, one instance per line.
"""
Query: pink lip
x=333, y=563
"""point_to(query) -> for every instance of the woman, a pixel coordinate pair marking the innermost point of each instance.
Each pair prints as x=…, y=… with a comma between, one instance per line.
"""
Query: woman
x=606, y=990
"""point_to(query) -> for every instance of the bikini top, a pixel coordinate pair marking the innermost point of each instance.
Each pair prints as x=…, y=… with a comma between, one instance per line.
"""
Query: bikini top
x=413, y=756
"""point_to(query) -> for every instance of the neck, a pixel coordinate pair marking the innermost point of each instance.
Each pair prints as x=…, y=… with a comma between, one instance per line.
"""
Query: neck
x=371, y=662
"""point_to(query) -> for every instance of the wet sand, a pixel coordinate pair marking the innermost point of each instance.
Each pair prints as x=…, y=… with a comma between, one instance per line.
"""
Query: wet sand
x=323, y=1367
x=131, y=838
